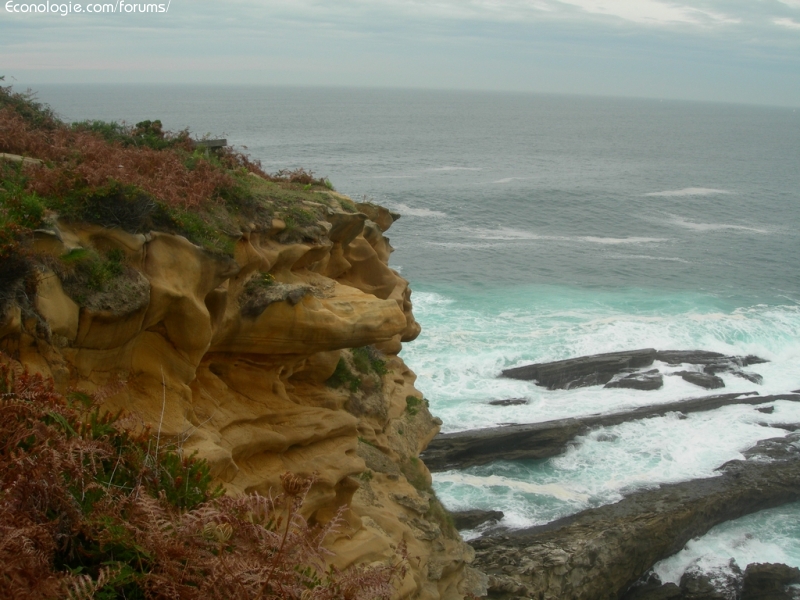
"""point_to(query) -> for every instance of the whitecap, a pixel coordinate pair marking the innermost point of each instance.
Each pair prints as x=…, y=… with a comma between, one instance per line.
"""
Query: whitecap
x=648, y=257
x=461, y=245
x=694, y=226
x=510, y=234
x=394, y=176
x=510, y=179
x=615, y=241
x=406, y=210
x=691, y=191
x=449, y=168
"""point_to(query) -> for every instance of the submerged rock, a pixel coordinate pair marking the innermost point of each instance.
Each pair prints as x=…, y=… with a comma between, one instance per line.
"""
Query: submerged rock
x=509, y=402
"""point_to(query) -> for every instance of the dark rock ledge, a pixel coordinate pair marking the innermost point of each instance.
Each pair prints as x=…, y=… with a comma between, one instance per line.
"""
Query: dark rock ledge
x=759, y=581
x=599, y=553
x=600, y=369
x=543, y=440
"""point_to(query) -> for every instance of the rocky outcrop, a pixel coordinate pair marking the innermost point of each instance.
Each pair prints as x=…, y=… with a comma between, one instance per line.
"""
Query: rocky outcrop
x=647, y=380
x=584, y=371
x=543, y=440
x=759, y=581
x=600, y=369
x=704, y=380
x=241, y=359
x=770, y=581
x=470, y=519
x=599, y=553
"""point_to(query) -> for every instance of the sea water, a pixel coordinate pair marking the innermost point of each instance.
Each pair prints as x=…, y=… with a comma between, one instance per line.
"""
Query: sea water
x=537, y=228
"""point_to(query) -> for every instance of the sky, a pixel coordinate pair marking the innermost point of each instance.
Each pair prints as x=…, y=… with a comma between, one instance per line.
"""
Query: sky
x=744, y=51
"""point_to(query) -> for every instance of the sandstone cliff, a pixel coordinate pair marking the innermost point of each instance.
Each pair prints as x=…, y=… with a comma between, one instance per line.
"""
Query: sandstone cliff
x=283, y=357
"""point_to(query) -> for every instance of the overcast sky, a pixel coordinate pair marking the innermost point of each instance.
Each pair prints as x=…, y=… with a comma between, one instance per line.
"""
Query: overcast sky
x=729, y=50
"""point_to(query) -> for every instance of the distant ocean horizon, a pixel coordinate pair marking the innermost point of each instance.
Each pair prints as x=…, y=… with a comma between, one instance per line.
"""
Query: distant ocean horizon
x=542, y=227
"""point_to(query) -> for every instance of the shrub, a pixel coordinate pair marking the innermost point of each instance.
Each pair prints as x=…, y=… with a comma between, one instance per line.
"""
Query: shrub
x=367, y=359
x=412, y=405
x=89, y=509
x=342, y=376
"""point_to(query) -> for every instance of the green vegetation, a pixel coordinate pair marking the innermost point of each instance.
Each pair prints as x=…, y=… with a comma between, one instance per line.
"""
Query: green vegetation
x=142, y=178
x=148, y=134
x=413, y=403
x=368, y=360
x=91, y=269
x=344, y=377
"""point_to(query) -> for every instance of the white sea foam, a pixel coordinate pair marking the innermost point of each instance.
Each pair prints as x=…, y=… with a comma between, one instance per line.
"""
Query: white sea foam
x=694, y=226
x=767, y=536
x=617, y=241
x=463, y=245
x=647, y=257
x=691, y=191
x=406, y=210
x=610, y=462
x=510, y=179
x=511, y=234
x=449, y=168
x=467, y=339
x=551, y=489
x=465, y=344
x=394, y=176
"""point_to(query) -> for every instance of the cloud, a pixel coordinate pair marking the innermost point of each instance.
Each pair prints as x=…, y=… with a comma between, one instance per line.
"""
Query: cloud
x=731, y=50
x=789, y=23
x=652, y=12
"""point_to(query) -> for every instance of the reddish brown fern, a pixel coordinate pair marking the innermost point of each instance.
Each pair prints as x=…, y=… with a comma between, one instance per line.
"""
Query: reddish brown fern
x=85, y=508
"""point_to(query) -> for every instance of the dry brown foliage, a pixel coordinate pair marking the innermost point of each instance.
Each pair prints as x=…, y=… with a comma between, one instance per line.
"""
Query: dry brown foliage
x=83, y=159
x=89, y=510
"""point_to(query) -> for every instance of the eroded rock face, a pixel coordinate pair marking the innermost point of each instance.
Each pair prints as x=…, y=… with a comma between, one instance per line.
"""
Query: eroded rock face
x=237, y=362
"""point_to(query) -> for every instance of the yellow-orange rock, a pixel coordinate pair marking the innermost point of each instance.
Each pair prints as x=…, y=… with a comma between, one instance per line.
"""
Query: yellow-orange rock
x=238, y=373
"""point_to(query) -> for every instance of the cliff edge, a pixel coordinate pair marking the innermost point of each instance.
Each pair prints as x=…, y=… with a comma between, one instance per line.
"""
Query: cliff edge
x=283, y=357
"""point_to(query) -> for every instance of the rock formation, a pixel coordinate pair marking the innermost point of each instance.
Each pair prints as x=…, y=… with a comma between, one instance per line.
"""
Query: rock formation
x=283, y=357
x=542, y=440
x=621, y=367
x=600, y=552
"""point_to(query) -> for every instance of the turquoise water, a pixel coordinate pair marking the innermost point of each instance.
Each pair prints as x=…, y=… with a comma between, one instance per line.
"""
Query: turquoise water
x=541, y=227
x=767, y=536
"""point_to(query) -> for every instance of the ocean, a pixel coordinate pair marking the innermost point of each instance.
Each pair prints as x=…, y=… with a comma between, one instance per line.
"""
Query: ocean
x=543, y=227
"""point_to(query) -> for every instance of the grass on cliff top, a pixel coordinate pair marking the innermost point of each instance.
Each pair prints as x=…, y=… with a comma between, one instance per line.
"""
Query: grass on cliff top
x=141, y=178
